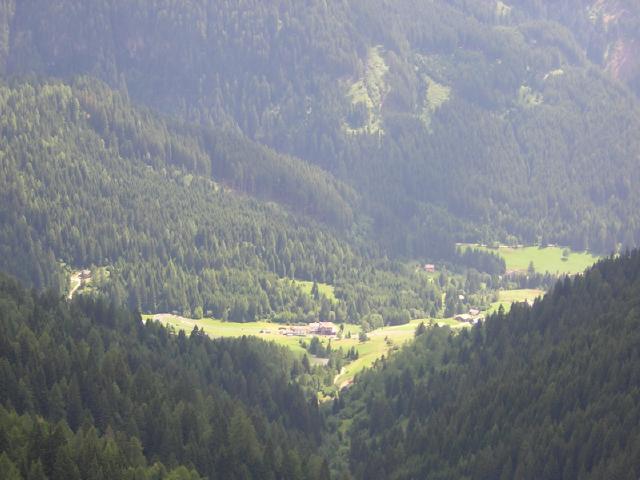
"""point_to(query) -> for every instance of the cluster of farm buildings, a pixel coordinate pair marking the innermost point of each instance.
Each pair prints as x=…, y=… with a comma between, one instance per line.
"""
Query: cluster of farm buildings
x=474, y=316
x=317, y=328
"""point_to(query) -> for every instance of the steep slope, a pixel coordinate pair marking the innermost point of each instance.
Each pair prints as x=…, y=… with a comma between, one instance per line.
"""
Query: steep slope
x=548, y=391
x=121, y=195
x=89, y=391
x=452, y=120
x=608, y=30
x=159, y=212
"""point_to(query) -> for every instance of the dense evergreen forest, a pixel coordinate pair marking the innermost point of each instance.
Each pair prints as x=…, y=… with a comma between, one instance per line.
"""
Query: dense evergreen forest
x=548, y=391
x=450, y=121
x=89, y=391
x=216, y=158
x=88, y=181
x=607, y=30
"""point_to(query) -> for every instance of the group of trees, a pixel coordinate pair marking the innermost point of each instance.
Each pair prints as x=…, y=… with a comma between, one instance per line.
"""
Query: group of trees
x=89, y=391
x=549, y=142
x=606, y=31
x=162, y=236
x=159, y=235
x=549, y=391
x=247, y=176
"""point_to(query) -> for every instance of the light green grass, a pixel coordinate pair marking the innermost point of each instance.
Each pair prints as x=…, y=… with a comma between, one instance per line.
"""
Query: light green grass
x=436, y=95
x=377, y=345
x=324, y=288
x=527, y=97
x=370, y=91
x=218, y=328
x=547, y=259
x=74, y=283
x=380, y=341
x=507, y=297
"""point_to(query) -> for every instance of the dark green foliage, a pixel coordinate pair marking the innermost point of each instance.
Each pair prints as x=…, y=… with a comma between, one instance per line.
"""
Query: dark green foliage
x=47, y=450
x=549, y=391
x=488, y=262
x=515, y=150
x=88, y=388
x=607, y=30
x=172, y=240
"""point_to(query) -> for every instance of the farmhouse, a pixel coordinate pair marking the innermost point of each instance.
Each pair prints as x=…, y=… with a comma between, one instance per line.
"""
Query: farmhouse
x=85, y=275
x=469, y=318
x=317, y=328
x=429, y=267
x=322, y=328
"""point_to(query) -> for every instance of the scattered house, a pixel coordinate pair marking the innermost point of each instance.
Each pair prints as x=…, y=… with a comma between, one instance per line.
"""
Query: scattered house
x=317, y=328
x=470, y=319
x=85, y=275
x=322, y=328
x=474, y=312
x=460, y=297
x=430, y=267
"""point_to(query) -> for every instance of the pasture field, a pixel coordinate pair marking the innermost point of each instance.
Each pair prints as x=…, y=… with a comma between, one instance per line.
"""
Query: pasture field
x=507, y=297
x=324, y=288
x=379, y=343
x=545, y=259
x=218, y=328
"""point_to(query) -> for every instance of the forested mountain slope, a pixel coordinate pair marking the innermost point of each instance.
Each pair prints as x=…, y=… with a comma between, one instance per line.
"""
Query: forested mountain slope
x=73, y=190
x=158, y=212
x=608, y=30
x=89, y=391
x=548, y=391
x=451, y=120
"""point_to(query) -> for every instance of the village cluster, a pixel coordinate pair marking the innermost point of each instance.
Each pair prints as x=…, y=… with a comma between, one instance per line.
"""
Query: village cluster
x=327, y=329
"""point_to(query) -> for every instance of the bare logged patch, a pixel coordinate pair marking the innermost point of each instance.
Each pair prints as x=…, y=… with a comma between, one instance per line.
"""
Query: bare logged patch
x=367, y=96
x=435, y=96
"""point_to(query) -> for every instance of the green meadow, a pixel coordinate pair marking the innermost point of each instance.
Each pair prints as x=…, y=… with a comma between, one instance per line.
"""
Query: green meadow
x=323, y=288
x=545, y=259
x=218, y=328
x=507, y=297
x=380, y=342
